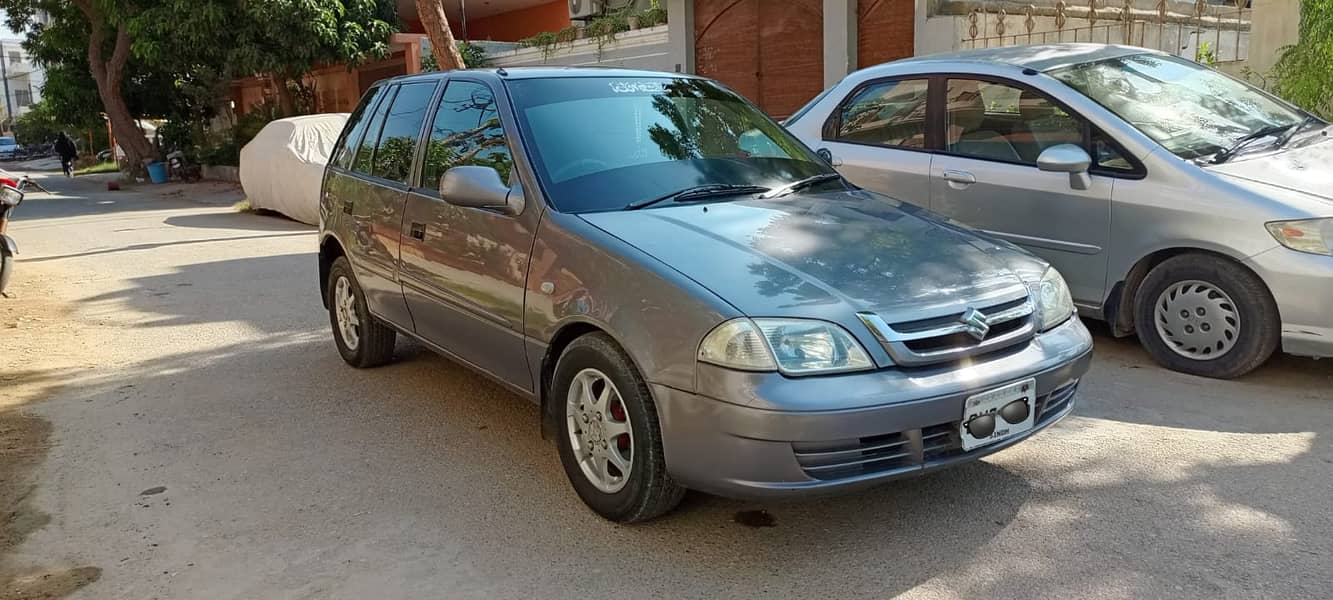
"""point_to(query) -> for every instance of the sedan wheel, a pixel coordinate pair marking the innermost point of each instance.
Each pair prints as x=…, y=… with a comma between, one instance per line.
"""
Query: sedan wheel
x=1206, y=315
x=1198, y=320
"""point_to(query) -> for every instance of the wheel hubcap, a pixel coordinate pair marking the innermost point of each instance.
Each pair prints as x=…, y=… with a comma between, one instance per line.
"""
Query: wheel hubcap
x=599, y=430
x=344, y=310
x=1197, y=320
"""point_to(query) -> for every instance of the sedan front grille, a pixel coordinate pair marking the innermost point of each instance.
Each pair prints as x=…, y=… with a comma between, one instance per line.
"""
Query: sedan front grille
x=904, y=451
x=953, y=336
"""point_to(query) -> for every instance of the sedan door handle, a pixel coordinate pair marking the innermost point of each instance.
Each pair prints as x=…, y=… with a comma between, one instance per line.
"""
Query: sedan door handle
x=418, y=231
x=960, y=178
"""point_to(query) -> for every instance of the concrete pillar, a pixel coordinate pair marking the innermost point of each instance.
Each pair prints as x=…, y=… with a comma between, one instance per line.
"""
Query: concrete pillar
x=680, y=34
x=839, y=39
x=1274, y=24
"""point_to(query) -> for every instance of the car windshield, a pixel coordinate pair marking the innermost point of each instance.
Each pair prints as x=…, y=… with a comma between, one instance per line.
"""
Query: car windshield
x=7, y=141
x=604, y=143
x=1188, y=108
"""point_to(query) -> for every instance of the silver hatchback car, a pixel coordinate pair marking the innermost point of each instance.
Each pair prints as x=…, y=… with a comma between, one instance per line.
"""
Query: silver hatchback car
x=1178, y=202
x=692, y=296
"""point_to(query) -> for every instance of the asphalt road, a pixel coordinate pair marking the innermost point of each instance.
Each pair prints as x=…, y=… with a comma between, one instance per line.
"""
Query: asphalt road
x=196, y=356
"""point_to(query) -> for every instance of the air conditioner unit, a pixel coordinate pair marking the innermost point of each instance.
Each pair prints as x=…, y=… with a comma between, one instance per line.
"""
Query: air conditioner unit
x=584, y=9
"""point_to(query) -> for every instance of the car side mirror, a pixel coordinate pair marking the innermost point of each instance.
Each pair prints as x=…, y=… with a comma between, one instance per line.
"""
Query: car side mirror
x=1067, y=158
x=480, y=187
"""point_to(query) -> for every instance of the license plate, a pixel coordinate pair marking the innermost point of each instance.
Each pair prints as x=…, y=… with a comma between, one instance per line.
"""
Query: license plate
x=987, y=416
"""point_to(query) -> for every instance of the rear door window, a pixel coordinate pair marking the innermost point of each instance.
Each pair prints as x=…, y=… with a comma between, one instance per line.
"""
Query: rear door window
x=356, y=126
x=402, y=128
x=365, y=152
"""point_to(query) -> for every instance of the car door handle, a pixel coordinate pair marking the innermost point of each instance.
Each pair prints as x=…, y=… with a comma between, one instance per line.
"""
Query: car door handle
x=418, y=231
x=959, y=179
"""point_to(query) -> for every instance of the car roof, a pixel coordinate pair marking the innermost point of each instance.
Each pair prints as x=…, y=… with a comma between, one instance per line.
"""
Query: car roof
x=1039, y=57
x=541, y=73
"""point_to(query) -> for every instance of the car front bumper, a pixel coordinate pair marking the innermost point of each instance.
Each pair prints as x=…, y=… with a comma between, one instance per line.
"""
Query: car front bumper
x=779, y=437
x=1302, y=285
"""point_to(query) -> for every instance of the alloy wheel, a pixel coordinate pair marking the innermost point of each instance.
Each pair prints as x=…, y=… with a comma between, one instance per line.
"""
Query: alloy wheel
x=600, y=433
x=344, y=308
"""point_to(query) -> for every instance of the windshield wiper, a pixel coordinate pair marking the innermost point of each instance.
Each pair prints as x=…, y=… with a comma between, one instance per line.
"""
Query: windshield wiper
x=700, y=192
x=1245, y=140
x=1291, y=133
x=796, y=186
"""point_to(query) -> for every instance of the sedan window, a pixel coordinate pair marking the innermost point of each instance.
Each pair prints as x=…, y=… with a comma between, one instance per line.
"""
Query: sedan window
x=1191, y=110
x=891, y=113
x=466, y=132
x=995, y=121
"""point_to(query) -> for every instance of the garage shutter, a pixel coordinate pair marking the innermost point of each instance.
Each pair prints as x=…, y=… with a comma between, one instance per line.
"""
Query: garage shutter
x=884, y=31
x=771, y=51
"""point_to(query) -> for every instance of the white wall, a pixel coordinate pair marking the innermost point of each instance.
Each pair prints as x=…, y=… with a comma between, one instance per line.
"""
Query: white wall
x=646, y=49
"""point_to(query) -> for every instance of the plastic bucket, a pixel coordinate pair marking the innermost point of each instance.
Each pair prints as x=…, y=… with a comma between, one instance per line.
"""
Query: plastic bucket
x=157, y=172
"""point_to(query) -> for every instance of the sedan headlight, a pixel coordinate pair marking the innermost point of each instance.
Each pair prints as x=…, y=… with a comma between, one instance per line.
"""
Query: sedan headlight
x=793, y=346
x=1314, y=236
x=1051, y=295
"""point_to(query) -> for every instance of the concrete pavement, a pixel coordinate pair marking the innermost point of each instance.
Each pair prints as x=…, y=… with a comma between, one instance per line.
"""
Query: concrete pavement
x=185, y=347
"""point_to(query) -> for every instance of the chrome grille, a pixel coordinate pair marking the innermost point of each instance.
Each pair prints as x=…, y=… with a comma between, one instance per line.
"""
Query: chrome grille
x=948, y=336
x=904, y=451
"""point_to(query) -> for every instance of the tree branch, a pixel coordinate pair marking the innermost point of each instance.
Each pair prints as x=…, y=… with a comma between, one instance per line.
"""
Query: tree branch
x=121, y=55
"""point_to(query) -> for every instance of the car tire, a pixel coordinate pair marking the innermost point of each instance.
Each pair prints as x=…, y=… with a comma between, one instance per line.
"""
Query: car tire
x=647, y=491
x=1206, y=316
x=363, y=341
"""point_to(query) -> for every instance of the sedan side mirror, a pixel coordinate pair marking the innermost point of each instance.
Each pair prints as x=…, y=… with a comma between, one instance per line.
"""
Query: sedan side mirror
x=480, y=187
x=1067, y=158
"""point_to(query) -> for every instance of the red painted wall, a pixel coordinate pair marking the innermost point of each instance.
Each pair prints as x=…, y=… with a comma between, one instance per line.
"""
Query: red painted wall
x=518, y=24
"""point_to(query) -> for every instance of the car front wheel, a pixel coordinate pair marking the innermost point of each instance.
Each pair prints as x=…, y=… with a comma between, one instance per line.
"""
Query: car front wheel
x=1206, y=316
x=610, y=442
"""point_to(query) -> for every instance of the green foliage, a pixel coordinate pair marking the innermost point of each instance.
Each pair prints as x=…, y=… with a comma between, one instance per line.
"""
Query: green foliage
x=474, y=57
x=104, y=167
x=1206, y=54
x=36, y=126
x=603, y=29
x=654, y=16
x=1302, y=74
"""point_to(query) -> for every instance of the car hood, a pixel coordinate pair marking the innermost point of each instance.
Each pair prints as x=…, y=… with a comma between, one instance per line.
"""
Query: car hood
x=817, y=255
x=1306, y=170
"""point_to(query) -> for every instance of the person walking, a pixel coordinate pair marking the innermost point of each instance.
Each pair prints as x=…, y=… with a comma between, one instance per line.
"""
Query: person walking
x=68, y=152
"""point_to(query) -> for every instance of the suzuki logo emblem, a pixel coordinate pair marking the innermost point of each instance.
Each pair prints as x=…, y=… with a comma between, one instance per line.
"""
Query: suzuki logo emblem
x=976, y=323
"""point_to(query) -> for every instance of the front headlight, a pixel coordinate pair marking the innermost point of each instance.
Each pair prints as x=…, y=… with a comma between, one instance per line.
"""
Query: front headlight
x=1314, y=236
x=1051, y=295
x=793, y=346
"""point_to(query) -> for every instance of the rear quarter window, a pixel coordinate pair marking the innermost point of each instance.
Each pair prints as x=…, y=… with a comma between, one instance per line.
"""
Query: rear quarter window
x=355, y=127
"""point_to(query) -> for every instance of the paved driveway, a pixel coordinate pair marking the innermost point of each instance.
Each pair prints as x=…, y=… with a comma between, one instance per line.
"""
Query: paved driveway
x=184, y=346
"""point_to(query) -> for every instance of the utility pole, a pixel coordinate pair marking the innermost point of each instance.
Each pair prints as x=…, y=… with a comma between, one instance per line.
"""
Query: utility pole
x=4, y=74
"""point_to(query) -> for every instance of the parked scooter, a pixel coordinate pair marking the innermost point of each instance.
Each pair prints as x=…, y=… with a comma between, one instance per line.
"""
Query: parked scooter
x=179, y=168
x=10, y=197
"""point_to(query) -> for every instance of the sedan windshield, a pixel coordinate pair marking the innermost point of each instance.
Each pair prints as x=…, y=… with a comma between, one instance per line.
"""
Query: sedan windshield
x=603, y=143
x=1190, y=109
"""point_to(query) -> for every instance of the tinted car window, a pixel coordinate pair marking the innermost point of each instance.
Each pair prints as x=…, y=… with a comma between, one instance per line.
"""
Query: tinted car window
x=466, y=131
x=365, y=152
x=995, y=121
x=602, y=143
x=892, y=113
x=402, y=129
x=356, y=125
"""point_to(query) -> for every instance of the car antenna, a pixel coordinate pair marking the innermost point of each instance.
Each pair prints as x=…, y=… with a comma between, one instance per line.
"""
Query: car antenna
x=502, y=72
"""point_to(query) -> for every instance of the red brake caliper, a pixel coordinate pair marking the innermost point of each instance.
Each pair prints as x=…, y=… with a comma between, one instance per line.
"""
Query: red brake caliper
x=618, y=413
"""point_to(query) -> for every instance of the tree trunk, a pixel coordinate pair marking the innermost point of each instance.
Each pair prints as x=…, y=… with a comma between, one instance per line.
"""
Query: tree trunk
x=286, y=103
x=108, y=74
x=442, y=43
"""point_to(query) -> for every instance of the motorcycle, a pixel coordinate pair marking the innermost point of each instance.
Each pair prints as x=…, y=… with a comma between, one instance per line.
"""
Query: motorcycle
x=181, y=169
x=10, y=197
